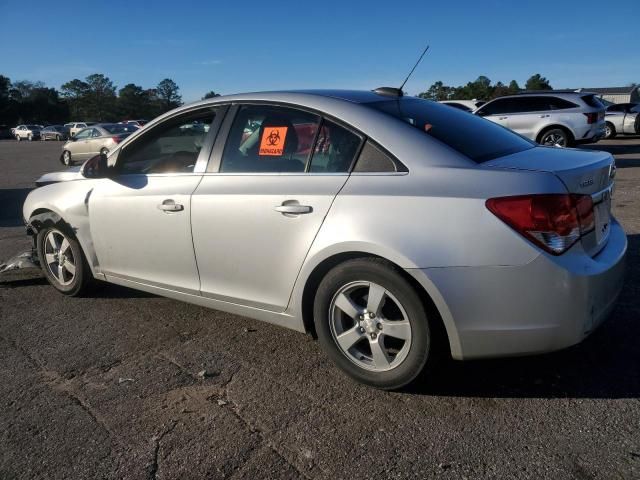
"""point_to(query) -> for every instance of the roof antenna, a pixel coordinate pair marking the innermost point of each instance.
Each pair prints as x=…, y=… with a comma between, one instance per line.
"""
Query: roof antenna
x=414, y=67
x=397, y=92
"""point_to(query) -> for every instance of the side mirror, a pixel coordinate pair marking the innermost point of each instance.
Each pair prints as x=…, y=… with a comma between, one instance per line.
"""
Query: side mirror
x=480, y=113
x=96, y=167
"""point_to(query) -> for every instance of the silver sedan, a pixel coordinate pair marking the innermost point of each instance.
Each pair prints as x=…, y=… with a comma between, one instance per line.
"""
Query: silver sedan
x=89, y=142
x=391, y=228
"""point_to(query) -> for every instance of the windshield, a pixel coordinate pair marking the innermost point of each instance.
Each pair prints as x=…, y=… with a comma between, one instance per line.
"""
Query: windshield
x=479, y=139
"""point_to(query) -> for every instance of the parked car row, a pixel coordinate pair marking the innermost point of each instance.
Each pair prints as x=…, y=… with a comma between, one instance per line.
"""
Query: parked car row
x=58, y=132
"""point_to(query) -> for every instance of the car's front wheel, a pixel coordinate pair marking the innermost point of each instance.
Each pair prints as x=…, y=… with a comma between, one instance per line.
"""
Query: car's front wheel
x=63, y=261
x=18, y=138
x=66, y=158
x=372, y=323
x=104, y=151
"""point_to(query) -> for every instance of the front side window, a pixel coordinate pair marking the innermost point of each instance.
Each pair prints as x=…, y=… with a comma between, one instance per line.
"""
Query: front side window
x=170, y=147
x=265, y=138
x=498, y=107
x=86, y=133
x=96, y=133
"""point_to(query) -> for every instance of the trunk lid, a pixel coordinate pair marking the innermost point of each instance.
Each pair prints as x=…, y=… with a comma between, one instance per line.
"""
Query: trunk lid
x=582, y=172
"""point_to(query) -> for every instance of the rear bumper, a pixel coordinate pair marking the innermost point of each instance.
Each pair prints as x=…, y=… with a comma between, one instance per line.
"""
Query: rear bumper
x=548, y=304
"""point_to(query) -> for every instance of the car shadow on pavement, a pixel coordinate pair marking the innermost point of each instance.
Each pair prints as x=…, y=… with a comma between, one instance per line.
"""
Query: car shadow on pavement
x=605, y=365
x=12, y=200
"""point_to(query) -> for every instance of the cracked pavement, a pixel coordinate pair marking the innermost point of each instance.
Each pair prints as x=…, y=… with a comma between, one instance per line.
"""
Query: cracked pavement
x=128, y=385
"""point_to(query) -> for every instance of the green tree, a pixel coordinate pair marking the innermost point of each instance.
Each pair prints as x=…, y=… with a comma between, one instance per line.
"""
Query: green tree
x=134, y=102
x=537, y=82
x=100, y=98
x=5, y=85
x=438, y=91
x=210, y=94
x=168, y=95
x=513, y=87
x=75, y=93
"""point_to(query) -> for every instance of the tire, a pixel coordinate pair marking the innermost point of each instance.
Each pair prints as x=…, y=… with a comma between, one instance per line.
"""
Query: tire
x=368, y=353
x=556, y=137
x=62, y=260
x=609, y=131
x=30, y=138
x=104, y=151
x=66, y=158
x=18, y=138
x=58, y=138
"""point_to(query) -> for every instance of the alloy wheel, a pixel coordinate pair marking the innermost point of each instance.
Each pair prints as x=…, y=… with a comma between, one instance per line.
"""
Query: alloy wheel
x=66, y=157
x=59, y=257
x=370, y=326
x=553, y=139
x=607, y=131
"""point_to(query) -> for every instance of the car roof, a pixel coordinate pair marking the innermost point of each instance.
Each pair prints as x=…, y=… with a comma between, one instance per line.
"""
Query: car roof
x=399, y=138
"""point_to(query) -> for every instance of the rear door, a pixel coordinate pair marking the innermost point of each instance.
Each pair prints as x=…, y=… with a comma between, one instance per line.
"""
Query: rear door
x=532, y=114
x=267, y=192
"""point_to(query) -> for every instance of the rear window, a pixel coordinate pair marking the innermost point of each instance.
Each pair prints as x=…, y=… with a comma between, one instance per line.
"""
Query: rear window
x=592, y=101
x=479, y=139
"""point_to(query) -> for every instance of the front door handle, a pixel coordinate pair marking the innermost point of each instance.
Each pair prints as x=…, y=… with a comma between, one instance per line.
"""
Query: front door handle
x=503, y=118
x=294, y=209
x=170, y=206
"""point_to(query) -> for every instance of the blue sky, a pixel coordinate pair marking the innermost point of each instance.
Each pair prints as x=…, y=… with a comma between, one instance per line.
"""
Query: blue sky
x=264, y=45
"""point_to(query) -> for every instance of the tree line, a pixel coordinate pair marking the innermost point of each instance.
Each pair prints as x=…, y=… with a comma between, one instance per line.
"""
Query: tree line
x=95, y=98
x=482, y=89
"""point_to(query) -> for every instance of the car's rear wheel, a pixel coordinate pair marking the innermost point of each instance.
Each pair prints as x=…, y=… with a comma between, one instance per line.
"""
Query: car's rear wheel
x=30, y=138
x=58, y=137
x=609, y=130
x=555, y=137
x=62, y=260
x=66, y=158
x=372, y=323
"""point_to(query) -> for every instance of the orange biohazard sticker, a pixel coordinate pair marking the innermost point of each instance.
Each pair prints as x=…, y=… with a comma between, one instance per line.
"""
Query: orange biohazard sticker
x=272, y=142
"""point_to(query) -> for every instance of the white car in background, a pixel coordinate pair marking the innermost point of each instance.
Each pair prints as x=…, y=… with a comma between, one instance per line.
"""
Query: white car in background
x=551, y=118
x=465, y=105
x=622, y=119
x=27, y=132
x=75, y=127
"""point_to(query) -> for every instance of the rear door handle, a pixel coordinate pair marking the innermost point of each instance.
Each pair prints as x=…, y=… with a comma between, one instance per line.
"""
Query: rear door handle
x=503, y=118
x=170, y=206
x=294, y=209
x=544, y=116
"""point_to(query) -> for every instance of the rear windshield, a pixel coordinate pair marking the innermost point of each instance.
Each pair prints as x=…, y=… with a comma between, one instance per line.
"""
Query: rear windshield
x=118, y=128
x=592, y=101
x=479, y=139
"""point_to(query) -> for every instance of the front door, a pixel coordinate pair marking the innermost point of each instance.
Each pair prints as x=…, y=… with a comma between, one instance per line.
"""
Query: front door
x=141, y=218
x=255, y=218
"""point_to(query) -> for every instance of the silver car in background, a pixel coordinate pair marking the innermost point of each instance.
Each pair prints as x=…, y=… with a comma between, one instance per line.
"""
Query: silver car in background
x=394, y=229
x=27, y=132
x=622, y=119
x=98, y=139
x=558, y=119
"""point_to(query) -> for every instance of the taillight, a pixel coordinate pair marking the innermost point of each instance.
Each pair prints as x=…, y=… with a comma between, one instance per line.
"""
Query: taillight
x=591, y=117
x=116, y=139
x=552, y=221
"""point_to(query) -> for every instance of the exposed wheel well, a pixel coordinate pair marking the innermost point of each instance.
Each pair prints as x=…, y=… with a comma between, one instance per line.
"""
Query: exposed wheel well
x=308, y=295
x=570, y=136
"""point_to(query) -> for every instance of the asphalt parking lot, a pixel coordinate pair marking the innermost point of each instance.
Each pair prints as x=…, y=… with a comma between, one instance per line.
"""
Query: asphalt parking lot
x=129, y=385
